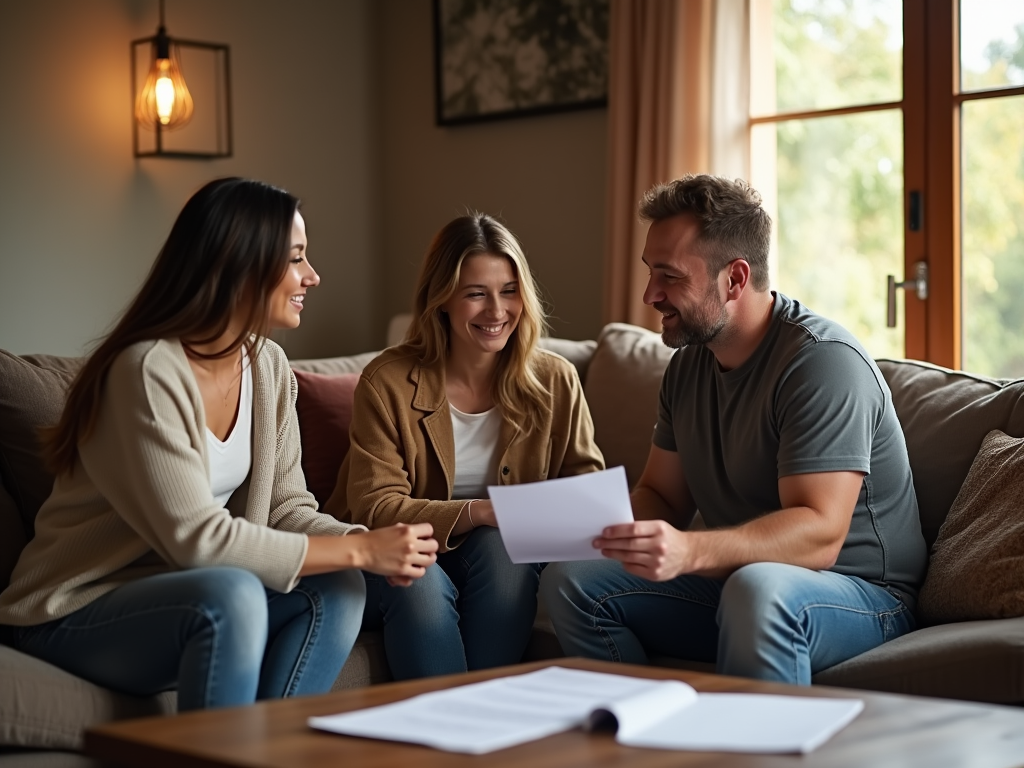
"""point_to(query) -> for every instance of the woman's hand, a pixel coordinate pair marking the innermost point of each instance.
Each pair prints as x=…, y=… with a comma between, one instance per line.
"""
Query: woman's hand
x=401, y=552
x=474, y=514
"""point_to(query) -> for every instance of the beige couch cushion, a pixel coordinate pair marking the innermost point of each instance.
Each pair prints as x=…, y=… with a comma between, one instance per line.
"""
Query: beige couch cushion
x=334, y=365
x=971, y=660
x=976, y=568
x=621, y=388
x=43, y=706
x=945, y=415
x=579, y=353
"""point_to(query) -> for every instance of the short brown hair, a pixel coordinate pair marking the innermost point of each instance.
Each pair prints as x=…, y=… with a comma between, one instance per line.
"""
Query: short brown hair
x=733, y=225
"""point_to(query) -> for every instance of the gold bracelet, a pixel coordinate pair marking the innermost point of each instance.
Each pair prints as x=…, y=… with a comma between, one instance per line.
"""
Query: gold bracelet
x=469, y=512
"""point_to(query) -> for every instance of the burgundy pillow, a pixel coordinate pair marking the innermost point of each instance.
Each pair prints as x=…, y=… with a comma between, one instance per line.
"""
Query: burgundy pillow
x=324, y=407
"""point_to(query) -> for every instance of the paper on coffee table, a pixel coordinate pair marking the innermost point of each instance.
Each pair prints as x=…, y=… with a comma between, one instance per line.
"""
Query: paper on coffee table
x=558, y=520
x=666, y=714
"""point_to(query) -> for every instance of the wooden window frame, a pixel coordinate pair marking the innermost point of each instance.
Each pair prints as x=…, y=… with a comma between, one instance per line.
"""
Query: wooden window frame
x=931, y=108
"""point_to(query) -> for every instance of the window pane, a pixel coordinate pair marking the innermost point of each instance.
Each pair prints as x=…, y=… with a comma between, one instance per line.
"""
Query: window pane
x=835, y=53
x=839, y=217
x=991, y=44
x=992, y=141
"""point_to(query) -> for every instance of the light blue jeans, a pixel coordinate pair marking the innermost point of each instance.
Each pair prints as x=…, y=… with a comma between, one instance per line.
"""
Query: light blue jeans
x=216, y=634
x=473, y=609
x=767, y=621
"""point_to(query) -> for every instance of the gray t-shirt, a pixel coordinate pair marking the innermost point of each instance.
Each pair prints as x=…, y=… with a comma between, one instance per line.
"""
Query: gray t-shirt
x=809, y=399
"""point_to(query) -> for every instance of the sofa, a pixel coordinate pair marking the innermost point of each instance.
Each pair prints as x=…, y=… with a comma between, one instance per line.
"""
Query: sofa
x=945, y=416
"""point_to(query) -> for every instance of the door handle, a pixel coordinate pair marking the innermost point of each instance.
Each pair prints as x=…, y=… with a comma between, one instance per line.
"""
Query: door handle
x=919, y=284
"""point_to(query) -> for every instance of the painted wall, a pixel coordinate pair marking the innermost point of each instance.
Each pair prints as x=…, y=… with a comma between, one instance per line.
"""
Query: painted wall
x=81, y=220
x=544, y=176
x=333, y=101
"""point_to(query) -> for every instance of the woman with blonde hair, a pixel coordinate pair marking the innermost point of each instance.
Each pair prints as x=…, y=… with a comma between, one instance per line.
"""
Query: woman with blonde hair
x=180, y=548
x=468, y=400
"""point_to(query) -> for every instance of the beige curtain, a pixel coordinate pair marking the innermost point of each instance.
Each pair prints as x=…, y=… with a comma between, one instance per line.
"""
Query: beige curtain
x=677, y=103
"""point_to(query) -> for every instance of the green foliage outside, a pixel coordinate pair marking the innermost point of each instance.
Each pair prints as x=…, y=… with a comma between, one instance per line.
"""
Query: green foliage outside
x=992, y=137
x=840, y=181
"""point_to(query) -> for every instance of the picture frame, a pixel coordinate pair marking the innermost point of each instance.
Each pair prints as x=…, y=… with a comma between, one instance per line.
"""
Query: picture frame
x=498, y=59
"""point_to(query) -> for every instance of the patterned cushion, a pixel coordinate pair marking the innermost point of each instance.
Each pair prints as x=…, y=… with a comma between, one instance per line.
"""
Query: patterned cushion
x=976, y=570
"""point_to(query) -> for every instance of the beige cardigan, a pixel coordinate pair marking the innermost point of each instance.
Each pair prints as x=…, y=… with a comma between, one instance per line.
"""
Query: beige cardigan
x=139, y=503
x=401, y=465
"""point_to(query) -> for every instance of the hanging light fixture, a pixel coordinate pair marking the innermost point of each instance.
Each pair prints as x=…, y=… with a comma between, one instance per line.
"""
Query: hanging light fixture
x=164, y=100
x=163, y=103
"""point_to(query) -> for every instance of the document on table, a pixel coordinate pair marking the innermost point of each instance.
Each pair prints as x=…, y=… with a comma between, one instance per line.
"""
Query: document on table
x=557, y=520
x=666, y=714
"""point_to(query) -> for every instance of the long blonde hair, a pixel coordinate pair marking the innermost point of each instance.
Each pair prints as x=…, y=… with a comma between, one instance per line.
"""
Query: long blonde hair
x=517, y=390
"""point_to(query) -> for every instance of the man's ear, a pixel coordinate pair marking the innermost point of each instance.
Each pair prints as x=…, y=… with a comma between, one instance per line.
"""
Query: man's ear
x=737, y=272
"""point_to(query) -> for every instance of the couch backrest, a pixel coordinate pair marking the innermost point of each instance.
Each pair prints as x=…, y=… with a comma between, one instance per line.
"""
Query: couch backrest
x=576, y=352
x=621, y=387
x=32, y=390
x=945, y=415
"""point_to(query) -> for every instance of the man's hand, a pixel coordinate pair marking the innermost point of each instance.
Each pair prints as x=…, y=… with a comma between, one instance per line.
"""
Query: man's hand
x=652, y=549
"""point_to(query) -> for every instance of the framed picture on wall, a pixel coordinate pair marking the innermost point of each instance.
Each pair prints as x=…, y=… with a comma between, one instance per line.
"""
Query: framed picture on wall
x=495, y=59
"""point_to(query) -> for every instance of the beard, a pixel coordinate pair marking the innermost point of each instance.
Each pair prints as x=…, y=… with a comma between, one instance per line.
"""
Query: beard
x=700, y=325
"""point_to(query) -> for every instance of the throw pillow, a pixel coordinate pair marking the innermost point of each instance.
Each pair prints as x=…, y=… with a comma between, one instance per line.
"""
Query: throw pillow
x=324, y=407
x=32, y=391
x=976, y=570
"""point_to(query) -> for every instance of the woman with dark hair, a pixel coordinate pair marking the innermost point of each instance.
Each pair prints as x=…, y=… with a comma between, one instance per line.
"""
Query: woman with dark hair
x=469, y=400
x=179, y=547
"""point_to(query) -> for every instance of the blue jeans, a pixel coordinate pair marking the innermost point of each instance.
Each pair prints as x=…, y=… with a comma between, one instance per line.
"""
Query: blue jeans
x=767, y=621
x=474, y=609
x=216, y=634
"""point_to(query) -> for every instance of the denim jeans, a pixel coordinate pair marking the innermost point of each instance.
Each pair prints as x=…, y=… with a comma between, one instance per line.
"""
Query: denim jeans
x=474, y=609
x=768, y=621
x=216, y=634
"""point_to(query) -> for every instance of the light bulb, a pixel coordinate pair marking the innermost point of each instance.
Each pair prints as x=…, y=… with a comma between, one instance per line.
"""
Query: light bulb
x=164, y=100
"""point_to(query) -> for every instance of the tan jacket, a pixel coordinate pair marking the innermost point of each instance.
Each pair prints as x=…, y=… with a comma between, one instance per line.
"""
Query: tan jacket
x=139, y=501
x=401, y=466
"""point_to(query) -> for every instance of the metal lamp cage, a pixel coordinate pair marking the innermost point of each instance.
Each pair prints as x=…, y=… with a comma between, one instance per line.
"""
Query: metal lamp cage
x=218, y=141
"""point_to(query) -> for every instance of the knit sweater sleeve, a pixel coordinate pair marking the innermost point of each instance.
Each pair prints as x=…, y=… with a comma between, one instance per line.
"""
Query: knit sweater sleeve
x=146, y=457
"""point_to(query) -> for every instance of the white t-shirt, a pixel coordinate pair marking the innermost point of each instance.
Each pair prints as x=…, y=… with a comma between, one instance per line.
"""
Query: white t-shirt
x=476, y=452
x=230, y=460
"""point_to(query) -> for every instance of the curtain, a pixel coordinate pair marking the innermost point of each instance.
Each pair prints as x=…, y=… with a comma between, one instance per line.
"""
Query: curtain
x=677, y=103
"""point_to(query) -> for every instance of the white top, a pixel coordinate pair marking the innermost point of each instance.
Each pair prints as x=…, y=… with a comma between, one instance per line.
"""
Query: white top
x=476, y=452
x=231, y=458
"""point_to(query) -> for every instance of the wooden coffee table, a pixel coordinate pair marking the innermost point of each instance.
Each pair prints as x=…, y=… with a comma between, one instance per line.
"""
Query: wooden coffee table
x=902, y=731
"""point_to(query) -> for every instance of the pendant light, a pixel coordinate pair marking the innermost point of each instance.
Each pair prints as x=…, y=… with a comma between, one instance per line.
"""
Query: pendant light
x=164, y=100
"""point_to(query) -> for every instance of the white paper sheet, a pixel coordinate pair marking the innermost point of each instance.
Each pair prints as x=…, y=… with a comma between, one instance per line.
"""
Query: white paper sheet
x=666, y=714
x=558, y=520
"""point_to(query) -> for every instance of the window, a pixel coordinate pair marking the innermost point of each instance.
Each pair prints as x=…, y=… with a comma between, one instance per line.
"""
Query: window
x=876, y=152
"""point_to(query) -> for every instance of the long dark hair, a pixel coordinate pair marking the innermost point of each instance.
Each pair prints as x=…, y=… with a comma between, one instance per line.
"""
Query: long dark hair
x=227, y=250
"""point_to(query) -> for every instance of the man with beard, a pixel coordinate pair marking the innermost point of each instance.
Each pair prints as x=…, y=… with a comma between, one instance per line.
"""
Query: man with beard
x=778, y=427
